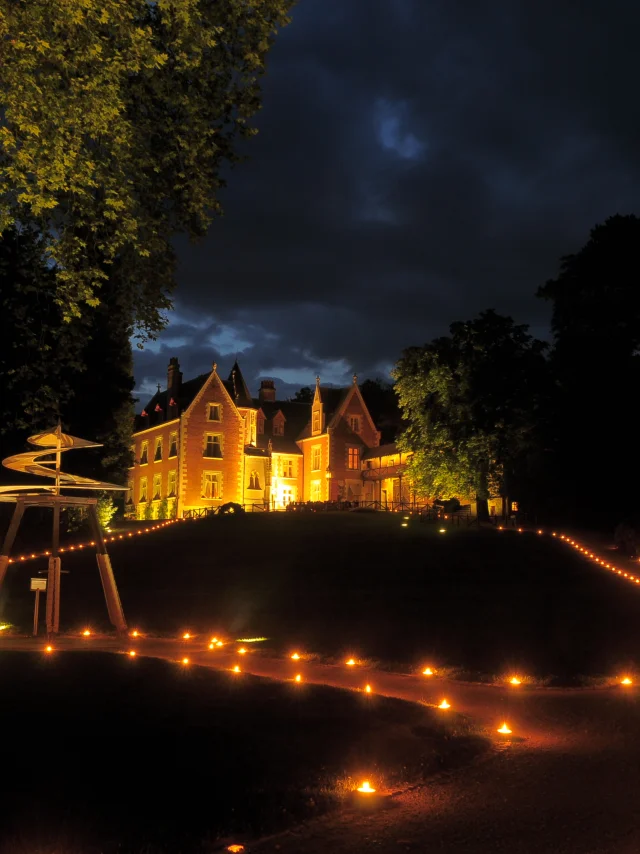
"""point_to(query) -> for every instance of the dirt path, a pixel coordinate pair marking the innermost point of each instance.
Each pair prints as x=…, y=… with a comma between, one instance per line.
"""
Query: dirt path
x=569, y=784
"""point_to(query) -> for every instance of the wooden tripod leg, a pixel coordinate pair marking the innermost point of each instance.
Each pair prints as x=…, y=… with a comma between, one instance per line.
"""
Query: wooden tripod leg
x=10, y=539
x=114, y=606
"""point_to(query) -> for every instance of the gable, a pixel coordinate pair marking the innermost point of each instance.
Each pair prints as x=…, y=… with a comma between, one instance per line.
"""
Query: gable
x=213, y=391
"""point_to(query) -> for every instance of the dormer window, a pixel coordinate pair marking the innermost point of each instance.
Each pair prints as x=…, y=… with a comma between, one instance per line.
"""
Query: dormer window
x=354, y=423
x=215, y=412
x=278, y=428
x=316, y=421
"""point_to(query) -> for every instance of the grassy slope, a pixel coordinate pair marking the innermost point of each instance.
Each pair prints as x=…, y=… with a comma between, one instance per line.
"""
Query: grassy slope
x=147, y=753
x=359, y=583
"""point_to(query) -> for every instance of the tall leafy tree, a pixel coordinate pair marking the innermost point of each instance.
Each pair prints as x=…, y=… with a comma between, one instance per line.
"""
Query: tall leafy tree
x=470, y=402
x=115, y=121
x=596, y=362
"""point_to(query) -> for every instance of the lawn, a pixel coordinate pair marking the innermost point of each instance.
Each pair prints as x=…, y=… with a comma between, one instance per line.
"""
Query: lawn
x=337, y=584
x=104, y=753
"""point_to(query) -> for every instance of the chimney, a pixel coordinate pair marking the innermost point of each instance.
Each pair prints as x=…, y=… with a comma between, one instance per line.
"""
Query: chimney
x=174, y=381
x=267, y=393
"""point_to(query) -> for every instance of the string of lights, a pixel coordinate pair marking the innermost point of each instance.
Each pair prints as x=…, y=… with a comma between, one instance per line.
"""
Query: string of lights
x=78, y=546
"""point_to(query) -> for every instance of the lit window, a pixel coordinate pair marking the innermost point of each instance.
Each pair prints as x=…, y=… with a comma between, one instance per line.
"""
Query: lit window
x=213, y=445
x=143, y=489
x=316, y=490
x=254, y=480
x=287, y=468
x=211, y=484
x=354, y=423
x=157, y=487
x=316, y=421
x=144, y=454
x=514, y=506
x=172, y=481
x=157, y=454
x=173, y=445
x=315, y=458
x=215, y=412
x=354, y=458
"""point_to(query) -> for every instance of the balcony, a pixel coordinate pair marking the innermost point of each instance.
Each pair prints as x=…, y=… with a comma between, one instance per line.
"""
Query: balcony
x=383, y=472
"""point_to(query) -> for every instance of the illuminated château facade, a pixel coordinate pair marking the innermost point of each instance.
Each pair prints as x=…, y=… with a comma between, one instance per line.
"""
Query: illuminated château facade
x=207, y=442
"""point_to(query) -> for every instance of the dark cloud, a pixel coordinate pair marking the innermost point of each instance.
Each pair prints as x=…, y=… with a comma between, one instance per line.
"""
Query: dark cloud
x=417, y=162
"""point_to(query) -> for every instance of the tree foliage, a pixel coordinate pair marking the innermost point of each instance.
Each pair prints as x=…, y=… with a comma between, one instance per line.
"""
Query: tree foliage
x=470, y=401
x=115, y=121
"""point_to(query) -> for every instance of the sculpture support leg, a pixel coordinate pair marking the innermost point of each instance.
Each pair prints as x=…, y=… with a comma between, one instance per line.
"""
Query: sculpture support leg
x=9, y=539
x=53, y=594
x=111, y=595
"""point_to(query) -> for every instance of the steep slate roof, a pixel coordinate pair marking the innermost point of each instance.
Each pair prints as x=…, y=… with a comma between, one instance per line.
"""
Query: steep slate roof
x=237, y=387
x=187, y=393
x=381, y=451
x=297, y=416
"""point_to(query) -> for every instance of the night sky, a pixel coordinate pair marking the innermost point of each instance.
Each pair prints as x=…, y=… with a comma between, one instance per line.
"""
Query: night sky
x=417, y=161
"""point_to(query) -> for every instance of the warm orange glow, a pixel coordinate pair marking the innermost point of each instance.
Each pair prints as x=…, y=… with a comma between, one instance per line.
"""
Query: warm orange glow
x=219, y=643
x=427, y=672
x=236, y=849
x=366, y=789
x=539, y=532
x=444, y=705
x=295, y=656
x=367, y=689
x=242, y=650
x=442, y=531
x=48, y=649
x=515, y=681
x=132, y=653
x=626, y=681
x=186, y=636
x=214, y=640
x=185, y=661
x=236, y=669
x=519, y=530
x=298, y=678
x=504, y=730
x=135, y=633
x=351, y=662
x=86, y=633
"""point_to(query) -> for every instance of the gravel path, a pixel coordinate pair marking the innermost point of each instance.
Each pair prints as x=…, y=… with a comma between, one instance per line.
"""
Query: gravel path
x=567, y=781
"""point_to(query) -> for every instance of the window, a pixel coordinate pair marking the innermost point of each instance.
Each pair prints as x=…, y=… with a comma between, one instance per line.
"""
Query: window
x=254, y=480
x=211, y=484
x=215, y=412
x=213, y=445
x=172, y=481
x=354, y=423
x=316, y=421
x=143, y=489
x=278, y=428
x=144, y=454
x=157, y=454
x=157, y=487
x=316, y=493
x=353, y=461
x=287, y=468
x=173, y=445
x=315, y=458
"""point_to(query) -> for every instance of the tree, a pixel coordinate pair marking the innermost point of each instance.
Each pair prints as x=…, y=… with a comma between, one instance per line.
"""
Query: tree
x=382, y=403
x=115, y=121
x=596, y=362
x=304, y=395
x=470, y=401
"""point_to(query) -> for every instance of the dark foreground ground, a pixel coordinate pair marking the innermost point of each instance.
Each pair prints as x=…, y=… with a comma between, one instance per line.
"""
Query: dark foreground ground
x=103, y=753
x=338, y=584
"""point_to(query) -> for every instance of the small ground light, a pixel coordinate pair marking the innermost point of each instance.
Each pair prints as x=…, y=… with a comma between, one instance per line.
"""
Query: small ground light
x=404, y=524
x=515, y=681
x=367, y=689
x=444, y=705
x=298, y=678
x=86, y=633
x=185, y=661
x=236, y=849
x=351, y=662
x=242, y=650
x=211, y=646
x=135, y=633
x=504, y=730
x=48, y=649
x=132, y=653
x=442, y=530
x=626, y=681
x=218, y=643
x=186, y=636
x=295, y=656
x=236, y=669
x=427, y=672
x=366, y=789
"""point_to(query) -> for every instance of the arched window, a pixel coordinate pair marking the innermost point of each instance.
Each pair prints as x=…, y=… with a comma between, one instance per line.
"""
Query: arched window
x=254, y=480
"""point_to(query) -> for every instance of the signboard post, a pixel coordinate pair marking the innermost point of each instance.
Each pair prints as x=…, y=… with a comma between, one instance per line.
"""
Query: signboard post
x=37, y=584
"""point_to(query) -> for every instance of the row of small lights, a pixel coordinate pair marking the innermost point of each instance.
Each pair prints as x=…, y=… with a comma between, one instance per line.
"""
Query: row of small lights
x=112, y=539
x=576, y=545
